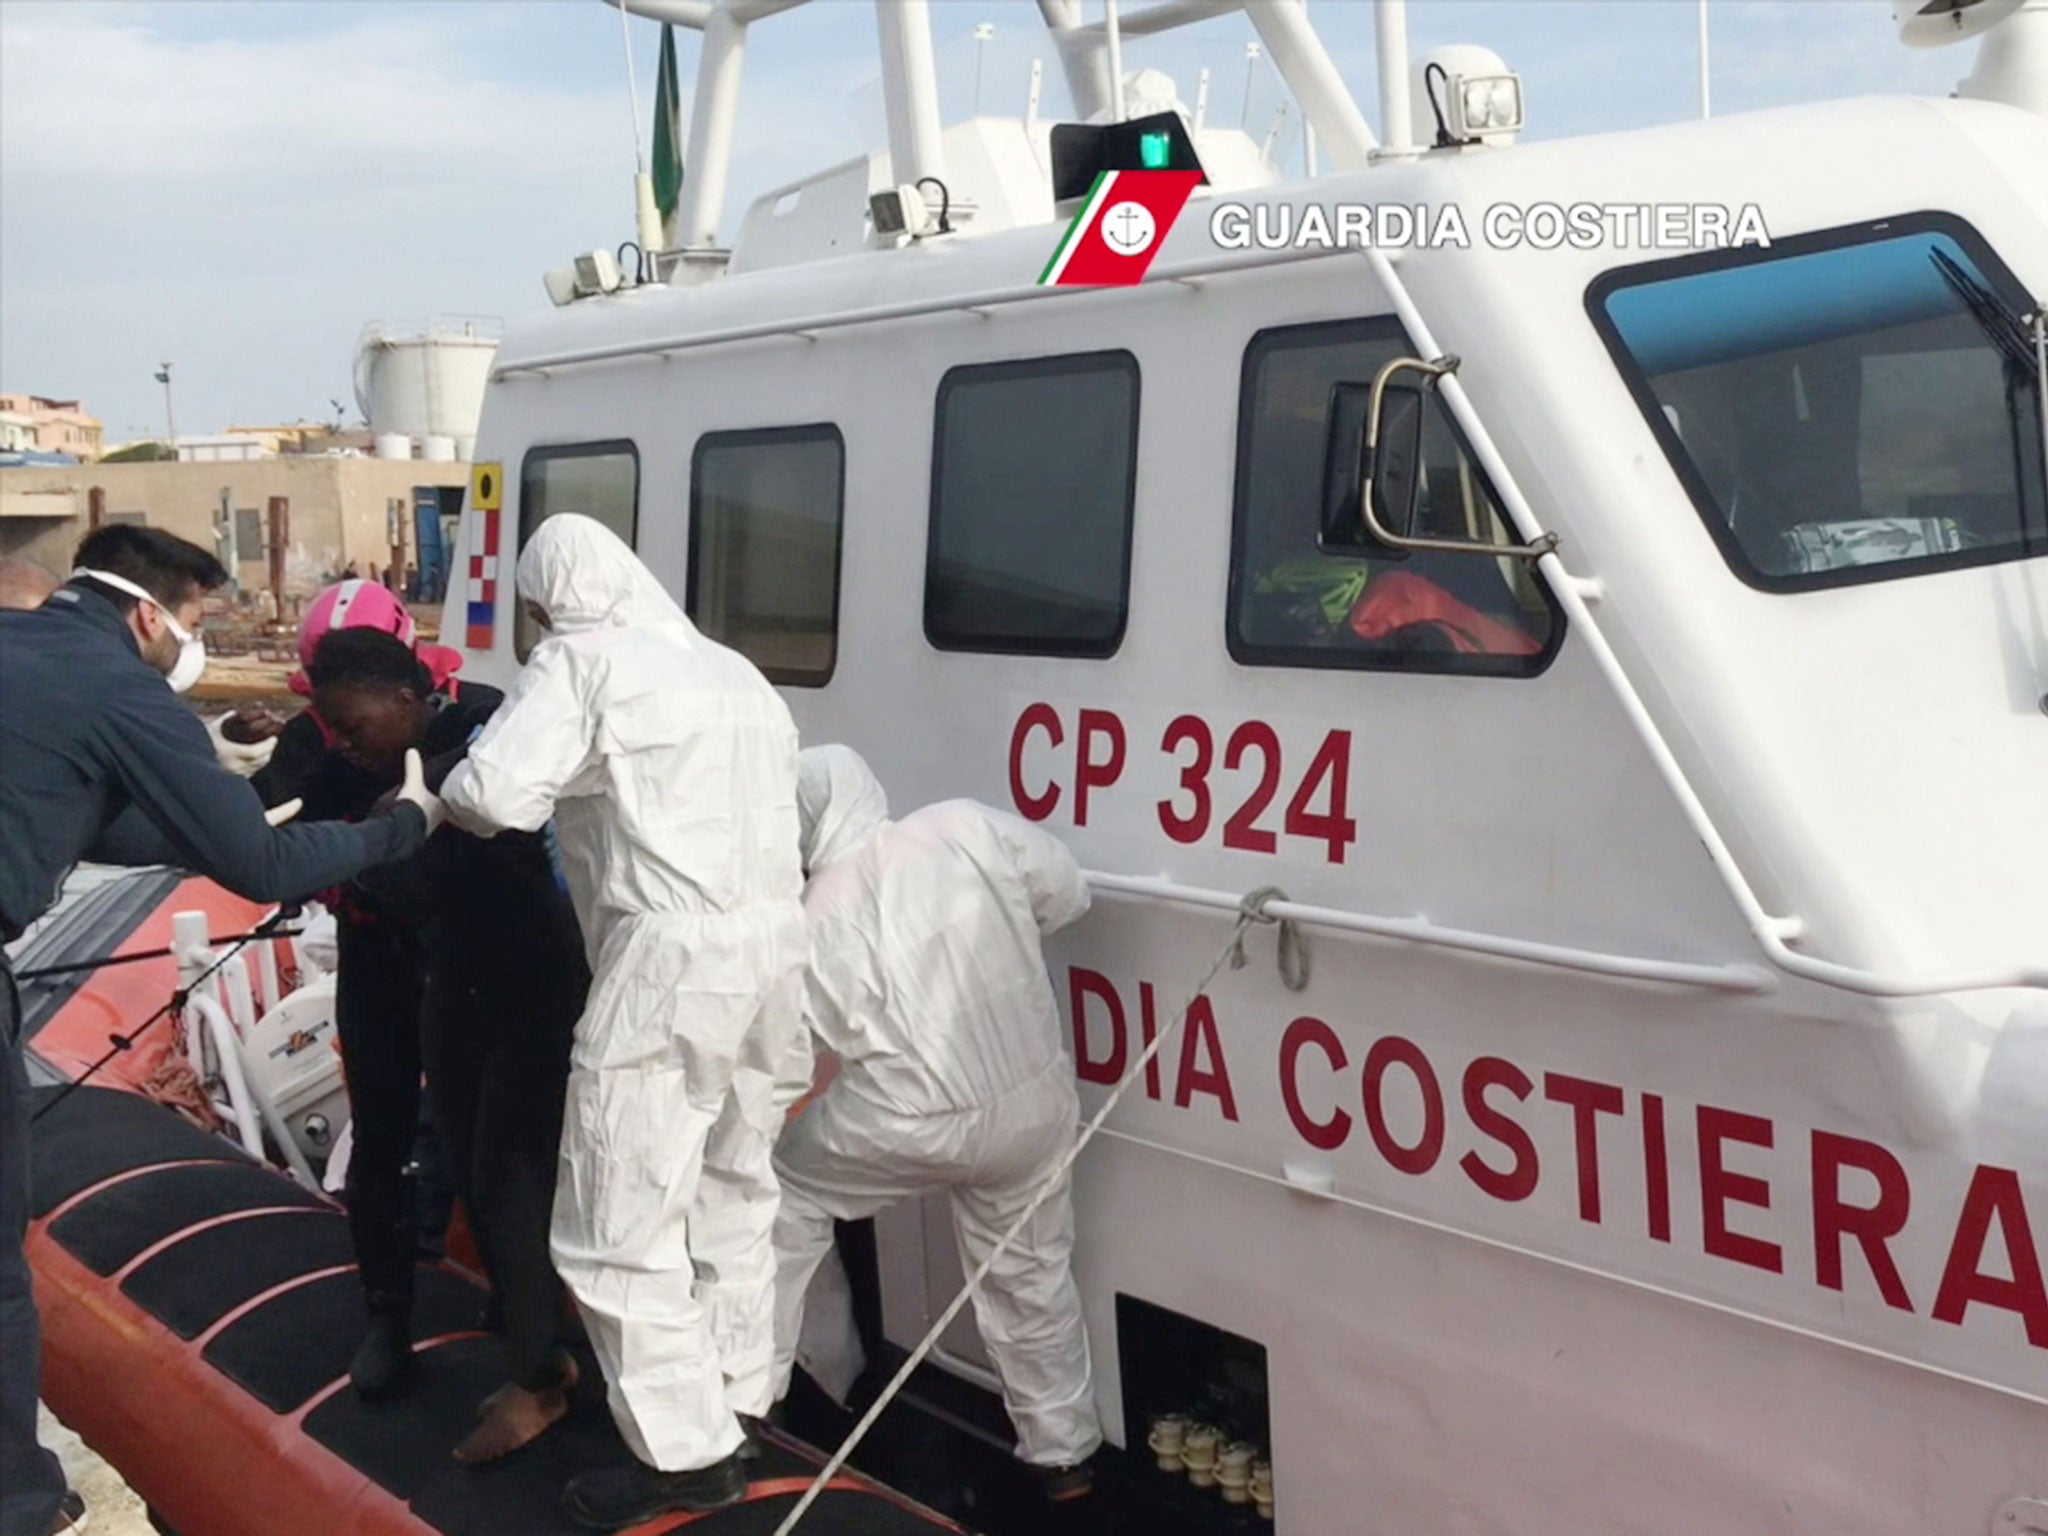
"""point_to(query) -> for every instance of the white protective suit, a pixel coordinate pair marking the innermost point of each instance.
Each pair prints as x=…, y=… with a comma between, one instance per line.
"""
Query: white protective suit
x=927, y=981
x=669, y=766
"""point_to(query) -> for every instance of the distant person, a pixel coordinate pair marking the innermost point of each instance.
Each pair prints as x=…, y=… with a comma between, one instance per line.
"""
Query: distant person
x=505, y=981
x=102, y=759
x=928, y=983
x=669, y=765
x=349, y=572
x=24, y=585
x=379, y=989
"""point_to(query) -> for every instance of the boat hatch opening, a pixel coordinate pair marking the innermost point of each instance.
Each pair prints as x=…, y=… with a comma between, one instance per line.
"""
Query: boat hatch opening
x=1196, y=1399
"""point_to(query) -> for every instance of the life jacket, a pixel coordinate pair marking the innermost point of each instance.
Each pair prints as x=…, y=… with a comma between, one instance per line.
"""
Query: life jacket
x=1400, y=600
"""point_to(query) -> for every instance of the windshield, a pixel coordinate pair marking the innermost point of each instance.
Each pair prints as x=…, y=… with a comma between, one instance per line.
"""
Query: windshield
x=1843, y=407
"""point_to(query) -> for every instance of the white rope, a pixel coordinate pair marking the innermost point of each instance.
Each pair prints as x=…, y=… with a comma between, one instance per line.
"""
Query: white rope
x=1251, y=910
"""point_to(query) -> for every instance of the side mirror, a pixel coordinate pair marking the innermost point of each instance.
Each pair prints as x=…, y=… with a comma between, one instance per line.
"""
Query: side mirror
x=1353, y=467
x=1393, y=457
x=1346, y=466
x=1382, y=482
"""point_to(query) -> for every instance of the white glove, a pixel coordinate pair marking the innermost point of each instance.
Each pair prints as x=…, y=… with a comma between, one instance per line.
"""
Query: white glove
x=233, y=755
x=278, y=815
x=414, y=791
x=319, y=943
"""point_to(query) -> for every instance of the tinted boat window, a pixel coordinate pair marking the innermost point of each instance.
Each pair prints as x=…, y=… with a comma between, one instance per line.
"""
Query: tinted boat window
x=1295, y=603
x=599, y=480
x=1845, y=407
x=1034, y=470
x=765, y=514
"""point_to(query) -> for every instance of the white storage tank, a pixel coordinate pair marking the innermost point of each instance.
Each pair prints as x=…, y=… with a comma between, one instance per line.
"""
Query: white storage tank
x=393, y=445
x=425, y=382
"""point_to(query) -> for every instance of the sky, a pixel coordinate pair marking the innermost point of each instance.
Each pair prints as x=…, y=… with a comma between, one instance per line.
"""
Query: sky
x=241, y=186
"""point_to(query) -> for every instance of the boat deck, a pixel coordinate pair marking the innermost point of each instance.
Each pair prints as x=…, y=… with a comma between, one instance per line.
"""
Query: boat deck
x=201, y=1309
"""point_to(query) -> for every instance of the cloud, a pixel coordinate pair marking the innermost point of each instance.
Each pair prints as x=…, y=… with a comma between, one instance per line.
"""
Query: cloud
x=241, y=188
x=216, y=199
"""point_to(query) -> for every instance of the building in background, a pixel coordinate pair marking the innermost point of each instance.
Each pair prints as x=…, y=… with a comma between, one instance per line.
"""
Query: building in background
x=17, y=433
x=225, y=448
x=369, y=513
x=58, y=426
x=307, y=437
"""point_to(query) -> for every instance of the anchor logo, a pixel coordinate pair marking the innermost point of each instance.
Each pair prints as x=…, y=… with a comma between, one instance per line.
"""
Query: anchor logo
x=1129, y=229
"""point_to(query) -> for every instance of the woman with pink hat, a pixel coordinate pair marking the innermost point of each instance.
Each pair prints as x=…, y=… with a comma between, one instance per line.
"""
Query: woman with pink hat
x=379, y=987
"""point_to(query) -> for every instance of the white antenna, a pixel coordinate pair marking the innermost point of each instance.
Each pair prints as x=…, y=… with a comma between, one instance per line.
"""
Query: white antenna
x=1273, y=134
x=1114, y=30
x=1031, y=101
x=1390, y=47
x=1251, y=64
x=1706, y=68
x=646, y=217
x=632, y=92
x=1201, y=99
x=983, y=31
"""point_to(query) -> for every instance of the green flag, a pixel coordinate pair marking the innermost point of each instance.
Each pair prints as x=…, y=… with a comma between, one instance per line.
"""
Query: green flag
x=668, y=142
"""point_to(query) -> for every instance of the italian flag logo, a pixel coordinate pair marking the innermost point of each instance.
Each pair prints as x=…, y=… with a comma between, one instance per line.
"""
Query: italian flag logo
x=1120, y=228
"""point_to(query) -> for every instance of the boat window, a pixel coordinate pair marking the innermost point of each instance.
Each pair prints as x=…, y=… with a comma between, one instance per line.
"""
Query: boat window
x=1843, y=407
x=765, y=515
x=1295, y=603
x=1034, y=469
x=600, y=480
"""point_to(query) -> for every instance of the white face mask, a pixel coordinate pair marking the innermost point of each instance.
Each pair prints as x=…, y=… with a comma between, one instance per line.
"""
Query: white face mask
x=191, y=660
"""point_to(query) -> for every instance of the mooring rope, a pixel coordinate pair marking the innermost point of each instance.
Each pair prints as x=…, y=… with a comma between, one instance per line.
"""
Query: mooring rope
x=1294, y=971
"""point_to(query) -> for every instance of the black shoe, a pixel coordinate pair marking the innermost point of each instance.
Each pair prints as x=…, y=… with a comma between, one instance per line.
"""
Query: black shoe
x=383, y=1365
x=621, y=1496
x=1071, y=1482
x=753, y=1448
x=70, y=1518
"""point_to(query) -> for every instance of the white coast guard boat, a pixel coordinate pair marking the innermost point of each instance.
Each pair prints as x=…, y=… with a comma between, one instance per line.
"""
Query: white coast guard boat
x=1638, y=696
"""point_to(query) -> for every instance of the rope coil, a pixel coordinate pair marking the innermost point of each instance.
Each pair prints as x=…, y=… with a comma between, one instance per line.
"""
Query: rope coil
x=1294, y=959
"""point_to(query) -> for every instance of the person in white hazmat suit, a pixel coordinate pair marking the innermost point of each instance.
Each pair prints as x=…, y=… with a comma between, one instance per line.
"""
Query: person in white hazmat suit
x=928, y=983
x=669, y=766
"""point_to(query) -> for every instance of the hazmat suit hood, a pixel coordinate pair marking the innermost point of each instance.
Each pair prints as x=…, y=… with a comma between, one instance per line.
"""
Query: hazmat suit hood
x=586, y=578
x=840, y=804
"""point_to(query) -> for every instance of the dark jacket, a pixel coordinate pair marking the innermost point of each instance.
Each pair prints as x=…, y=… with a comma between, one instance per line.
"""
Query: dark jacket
x=489, y=912
x=88, y=730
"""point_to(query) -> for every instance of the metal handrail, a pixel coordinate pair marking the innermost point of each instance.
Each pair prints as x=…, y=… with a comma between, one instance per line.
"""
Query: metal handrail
x=1420, y=930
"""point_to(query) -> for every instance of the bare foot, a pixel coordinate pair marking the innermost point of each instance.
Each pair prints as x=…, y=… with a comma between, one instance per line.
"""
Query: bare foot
x=515, y=1417
x=567, y=1375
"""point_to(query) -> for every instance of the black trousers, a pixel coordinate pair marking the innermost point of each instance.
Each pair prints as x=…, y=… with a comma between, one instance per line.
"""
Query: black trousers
x=497, y=1071
x=377, y=1014
x=32, y=1481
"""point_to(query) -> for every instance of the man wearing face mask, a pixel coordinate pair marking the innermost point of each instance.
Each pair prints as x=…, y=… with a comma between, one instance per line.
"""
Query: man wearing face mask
x=99, y=758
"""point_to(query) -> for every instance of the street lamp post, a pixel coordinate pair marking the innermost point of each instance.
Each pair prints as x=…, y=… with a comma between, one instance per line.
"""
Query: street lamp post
x=163, y=377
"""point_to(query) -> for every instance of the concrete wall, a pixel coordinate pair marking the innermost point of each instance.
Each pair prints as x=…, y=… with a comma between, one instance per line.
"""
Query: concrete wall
x=337, y=508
